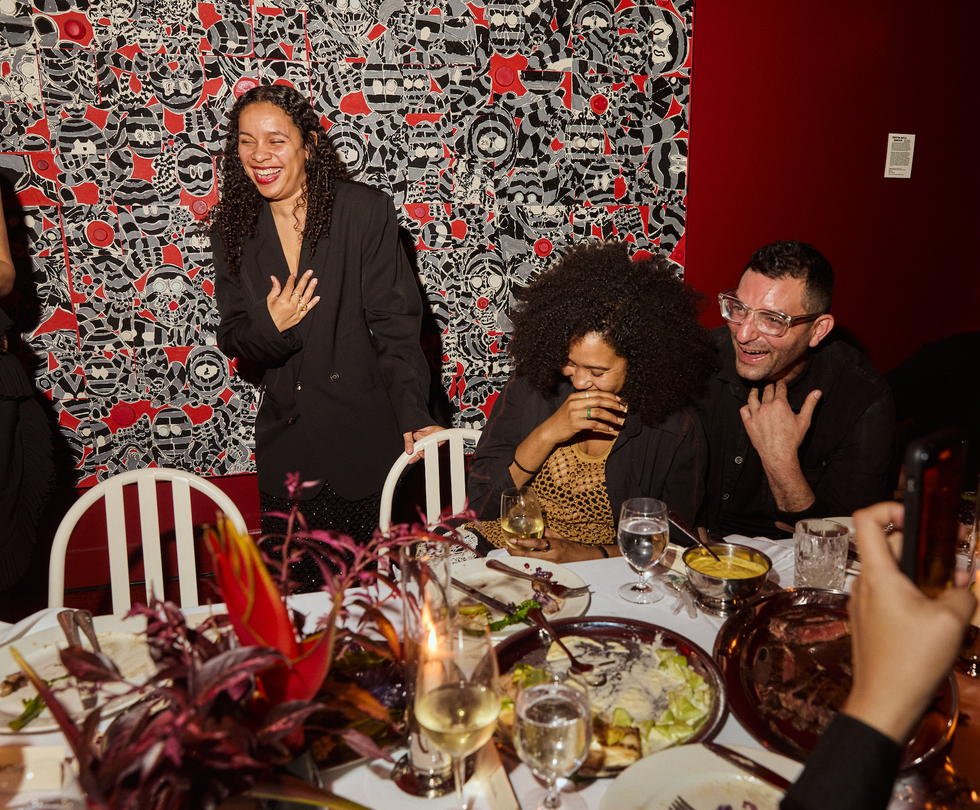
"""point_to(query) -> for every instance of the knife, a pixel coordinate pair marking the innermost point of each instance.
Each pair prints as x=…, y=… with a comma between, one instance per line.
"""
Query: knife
x=749, y=765
x=489, y=601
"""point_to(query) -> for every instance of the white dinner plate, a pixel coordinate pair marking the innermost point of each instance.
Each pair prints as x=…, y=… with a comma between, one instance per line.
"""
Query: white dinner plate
x=702, y=778
x=119, y=638
x=511, y=589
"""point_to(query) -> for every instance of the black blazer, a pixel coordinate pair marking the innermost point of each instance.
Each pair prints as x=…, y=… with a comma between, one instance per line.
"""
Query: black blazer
x=342, y=386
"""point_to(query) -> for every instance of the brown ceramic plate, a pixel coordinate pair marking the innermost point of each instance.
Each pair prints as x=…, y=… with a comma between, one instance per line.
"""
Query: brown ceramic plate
x=784, y=692
x=528, y=647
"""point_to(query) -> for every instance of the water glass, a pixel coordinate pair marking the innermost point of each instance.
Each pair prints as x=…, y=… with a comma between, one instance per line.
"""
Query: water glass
x=821, y=554
x=552, y=732
x=642, y=537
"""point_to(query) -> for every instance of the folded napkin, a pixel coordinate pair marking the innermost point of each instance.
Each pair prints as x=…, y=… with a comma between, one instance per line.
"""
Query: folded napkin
x=40, y=620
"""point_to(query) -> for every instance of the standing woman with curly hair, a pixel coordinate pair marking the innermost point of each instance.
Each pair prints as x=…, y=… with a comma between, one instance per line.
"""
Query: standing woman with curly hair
x=316, y=293
x=609, y=358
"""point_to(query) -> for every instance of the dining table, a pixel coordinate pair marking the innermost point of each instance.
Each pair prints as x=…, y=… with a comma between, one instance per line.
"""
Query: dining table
x=369, y=782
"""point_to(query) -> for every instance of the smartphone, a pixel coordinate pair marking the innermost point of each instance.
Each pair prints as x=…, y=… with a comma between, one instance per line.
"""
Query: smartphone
x=933, y=478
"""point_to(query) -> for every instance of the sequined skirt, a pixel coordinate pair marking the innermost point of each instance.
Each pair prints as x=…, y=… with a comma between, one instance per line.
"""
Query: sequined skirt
x=328, y=512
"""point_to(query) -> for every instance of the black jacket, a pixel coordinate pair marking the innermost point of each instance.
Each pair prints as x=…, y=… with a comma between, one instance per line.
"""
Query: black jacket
x=845, y=455
x=342, y=386
x=665, y=462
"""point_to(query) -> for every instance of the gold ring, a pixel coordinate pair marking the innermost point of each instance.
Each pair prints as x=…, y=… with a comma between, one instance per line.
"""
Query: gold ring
x=588, y=412
x=303, y=308
x=546, y=548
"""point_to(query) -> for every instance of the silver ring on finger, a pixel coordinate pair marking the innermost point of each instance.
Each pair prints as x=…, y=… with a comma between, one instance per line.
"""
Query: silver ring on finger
x=588, y=412
x=298, y=294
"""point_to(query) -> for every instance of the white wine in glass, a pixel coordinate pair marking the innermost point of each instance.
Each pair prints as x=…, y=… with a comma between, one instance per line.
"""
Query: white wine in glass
x=642, y=537
x=552, y=732
x=457, y=697
x=520, y=514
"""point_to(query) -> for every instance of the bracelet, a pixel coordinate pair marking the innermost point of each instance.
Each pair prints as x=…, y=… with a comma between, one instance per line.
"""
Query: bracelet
x=524, y=469
x=604, y=552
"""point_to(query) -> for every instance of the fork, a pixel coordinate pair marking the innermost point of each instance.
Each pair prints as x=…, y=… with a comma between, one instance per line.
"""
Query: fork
x=559, y=590
x=680, y=804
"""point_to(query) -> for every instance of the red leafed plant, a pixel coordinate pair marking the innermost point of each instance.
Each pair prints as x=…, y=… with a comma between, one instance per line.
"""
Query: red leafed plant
x=238, y=696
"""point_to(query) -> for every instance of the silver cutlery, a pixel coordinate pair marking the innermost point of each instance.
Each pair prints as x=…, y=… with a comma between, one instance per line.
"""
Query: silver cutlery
x=680, y=523
x=749, y=765
x=70, y=621
x=482, y=598
x=577, y=667
x=559, y=590
x=679, y=803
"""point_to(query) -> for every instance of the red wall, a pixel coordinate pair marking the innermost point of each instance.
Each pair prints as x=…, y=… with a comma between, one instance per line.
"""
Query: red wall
x=791, y=106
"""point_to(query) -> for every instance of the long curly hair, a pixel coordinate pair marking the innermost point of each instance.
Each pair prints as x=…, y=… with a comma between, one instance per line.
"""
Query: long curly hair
x=641, y=308
x=234, y=218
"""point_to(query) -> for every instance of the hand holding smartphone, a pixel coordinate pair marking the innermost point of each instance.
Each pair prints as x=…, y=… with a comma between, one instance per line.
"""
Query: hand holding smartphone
x=933, y=478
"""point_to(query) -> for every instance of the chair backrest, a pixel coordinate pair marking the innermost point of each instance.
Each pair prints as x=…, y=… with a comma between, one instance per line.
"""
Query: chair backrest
x=111, y=490
x=455, y=437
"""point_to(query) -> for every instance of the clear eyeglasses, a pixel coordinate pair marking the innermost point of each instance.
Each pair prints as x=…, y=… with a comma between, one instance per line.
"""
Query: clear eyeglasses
x=774, y=324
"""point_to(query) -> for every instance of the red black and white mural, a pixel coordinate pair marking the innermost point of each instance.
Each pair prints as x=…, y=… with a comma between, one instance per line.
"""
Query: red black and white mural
x=504, y=131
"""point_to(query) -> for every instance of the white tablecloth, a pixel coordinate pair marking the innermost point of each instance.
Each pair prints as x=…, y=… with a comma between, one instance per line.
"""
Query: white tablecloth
x=371, y=785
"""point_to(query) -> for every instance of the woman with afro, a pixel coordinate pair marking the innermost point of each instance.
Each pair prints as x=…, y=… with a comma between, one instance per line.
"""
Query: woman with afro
x=316, y=294
x=609, y=359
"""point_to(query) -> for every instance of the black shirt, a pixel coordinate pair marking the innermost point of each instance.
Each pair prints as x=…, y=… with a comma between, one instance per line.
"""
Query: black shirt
x=845, y=455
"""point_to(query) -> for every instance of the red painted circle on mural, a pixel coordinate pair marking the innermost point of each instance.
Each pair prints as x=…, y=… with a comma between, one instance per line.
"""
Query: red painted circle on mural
x=99, y=234
x=482, y=303
x=173, y=305
x=74, y=29
x=123, y=415
x=542, y=247
x=43, y=165
x=199, y=207
x=599, y=104
x=504, y=76
x=243, y=85
x=420, y=211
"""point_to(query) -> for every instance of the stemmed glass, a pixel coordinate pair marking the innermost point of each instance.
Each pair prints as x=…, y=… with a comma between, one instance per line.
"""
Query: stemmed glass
x=520, y=514
x=457, y=694
x=642, y=537
x=552, y=732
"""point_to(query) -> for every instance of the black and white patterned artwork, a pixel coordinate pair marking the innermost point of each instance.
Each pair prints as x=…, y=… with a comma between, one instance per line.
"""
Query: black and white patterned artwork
x=504, y=130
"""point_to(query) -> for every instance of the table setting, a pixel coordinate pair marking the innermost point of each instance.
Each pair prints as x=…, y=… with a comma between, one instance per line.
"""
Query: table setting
x=682, y=631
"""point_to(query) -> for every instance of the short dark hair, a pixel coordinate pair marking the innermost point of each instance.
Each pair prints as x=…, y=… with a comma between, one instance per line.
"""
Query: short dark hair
x=798, y=260
x=641, y=308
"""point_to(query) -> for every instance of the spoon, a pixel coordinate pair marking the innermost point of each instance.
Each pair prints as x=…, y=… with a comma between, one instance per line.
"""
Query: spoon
x=680, y=523
x=577, y=667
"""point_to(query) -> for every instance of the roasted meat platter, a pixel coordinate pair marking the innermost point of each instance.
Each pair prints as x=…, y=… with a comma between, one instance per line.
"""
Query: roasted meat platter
x=786, y=660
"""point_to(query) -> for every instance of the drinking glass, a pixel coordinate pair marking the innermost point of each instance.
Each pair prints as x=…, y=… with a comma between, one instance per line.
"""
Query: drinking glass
x=424, y=770
x=457, y=694
x=821, y=554
x=552, y=732
x=520, y=514
x=642, y=537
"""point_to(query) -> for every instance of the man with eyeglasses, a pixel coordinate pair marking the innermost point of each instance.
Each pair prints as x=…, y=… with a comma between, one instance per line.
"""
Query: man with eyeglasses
x=798, y=426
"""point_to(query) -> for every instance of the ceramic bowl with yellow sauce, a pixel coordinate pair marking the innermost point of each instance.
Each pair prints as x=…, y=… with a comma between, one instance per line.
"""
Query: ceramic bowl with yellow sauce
x=738, y=576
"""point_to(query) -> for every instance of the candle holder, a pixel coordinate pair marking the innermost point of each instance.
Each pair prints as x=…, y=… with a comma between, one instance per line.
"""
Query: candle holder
x=424, y=771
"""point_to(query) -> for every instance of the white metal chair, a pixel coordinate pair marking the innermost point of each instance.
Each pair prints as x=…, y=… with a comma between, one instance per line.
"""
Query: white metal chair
x=145, y=481
x=455, y=438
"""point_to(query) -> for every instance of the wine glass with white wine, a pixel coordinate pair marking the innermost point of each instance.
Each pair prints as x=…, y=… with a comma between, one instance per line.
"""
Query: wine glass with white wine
x=520, y=514
x=457, y=694
x=552, y=732
x=642, y=537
